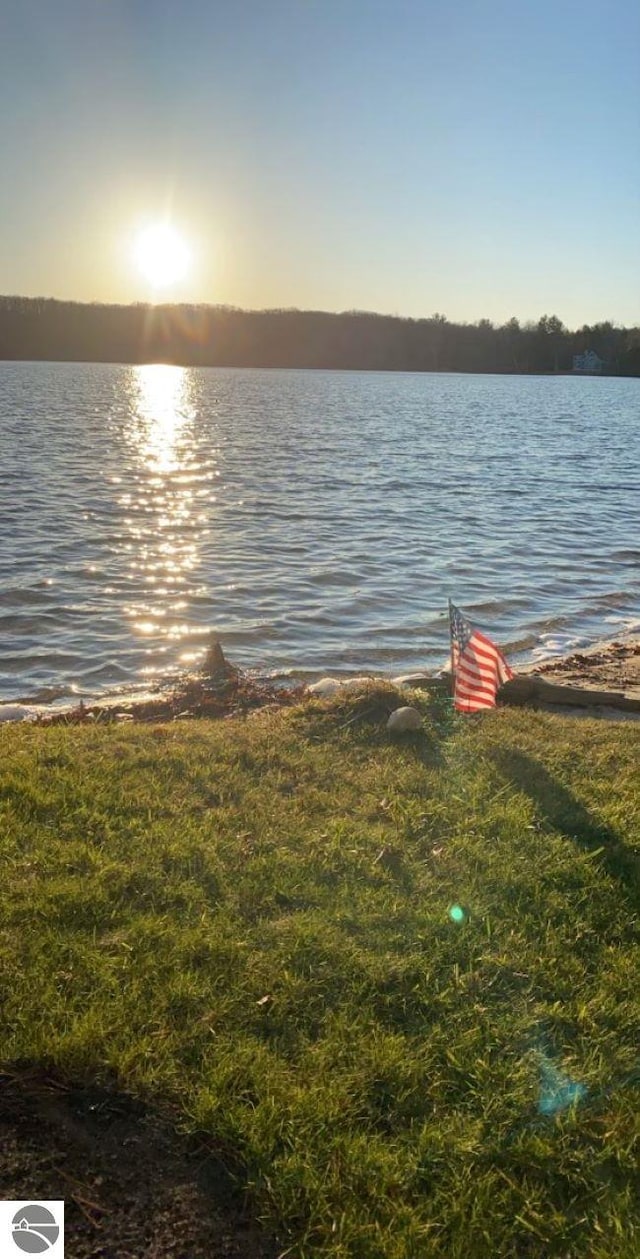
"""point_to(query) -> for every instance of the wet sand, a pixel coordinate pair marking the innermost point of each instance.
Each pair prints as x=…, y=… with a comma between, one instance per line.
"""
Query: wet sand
x=607, y=666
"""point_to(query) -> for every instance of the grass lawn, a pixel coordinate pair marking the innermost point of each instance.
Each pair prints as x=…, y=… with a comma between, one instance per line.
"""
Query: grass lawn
x=249, y=922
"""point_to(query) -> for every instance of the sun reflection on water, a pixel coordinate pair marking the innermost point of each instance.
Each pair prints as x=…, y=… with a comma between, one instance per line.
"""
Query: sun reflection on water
x=163, y=409
x=163, y=522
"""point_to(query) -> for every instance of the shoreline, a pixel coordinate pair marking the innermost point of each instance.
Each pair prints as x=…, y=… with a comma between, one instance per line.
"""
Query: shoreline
x=611, y=665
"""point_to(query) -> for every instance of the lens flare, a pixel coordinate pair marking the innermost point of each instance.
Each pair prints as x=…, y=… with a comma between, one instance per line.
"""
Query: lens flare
x=557, y=1091
x=457, y=913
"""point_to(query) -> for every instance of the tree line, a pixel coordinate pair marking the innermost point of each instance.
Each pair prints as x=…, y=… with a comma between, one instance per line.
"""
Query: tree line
x=225, y=336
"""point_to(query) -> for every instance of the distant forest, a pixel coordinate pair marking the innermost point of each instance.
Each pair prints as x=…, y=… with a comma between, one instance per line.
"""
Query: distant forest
x=223, y=336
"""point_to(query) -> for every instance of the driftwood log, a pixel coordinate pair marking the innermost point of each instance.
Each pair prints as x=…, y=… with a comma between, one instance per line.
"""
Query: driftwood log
x=528, y=688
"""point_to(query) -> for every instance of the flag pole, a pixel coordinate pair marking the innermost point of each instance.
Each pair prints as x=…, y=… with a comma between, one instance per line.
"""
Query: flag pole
x=453, y=679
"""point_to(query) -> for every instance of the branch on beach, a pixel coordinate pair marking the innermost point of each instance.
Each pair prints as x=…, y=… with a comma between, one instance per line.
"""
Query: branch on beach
x=528, y=688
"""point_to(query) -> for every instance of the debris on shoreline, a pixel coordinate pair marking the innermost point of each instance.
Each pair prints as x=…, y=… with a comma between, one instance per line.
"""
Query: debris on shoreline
x=608, y=666
x=220, y=690
x=605, y=675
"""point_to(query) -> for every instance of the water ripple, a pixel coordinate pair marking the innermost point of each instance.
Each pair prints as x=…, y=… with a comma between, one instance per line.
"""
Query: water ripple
x=316, y=520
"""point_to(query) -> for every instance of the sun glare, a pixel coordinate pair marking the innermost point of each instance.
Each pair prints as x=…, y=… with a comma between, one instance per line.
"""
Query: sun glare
x=161, y=255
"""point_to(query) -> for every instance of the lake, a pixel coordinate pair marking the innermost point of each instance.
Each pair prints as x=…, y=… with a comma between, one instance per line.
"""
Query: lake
x=316, y=521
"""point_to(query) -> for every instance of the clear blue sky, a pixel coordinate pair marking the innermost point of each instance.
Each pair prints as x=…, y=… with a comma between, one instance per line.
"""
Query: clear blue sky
x=478, y=158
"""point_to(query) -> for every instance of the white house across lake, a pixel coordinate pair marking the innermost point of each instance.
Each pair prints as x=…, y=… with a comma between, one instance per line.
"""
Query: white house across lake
x=588, y=363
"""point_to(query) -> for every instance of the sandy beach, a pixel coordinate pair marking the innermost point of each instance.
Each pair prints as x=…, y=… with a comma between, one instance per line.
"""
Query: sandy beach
x=607, y=666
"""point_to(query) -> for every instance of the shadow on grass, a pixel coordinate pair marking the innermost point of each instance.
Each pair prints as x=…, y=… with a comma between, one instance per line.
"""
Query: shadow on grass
x=560, y=810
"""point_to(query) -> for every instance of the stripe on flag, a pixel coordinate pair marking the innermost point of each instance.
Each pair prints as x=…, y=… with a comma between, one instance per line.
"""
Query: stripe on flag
x=479, y=667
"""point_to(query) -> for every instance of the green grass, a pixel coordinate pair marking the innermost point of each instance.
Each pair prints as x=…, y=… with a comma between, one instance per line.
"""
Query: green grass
x=249, y=921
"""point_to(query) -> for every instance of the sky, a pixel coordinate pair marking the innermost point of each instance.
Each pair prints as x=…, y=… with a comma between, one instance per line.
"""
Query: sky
x=479, y=158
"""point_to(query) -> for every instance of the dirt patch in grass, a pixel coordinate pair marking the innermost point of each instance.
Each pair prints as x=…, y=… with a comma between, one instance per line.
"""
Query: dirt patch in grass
x=132, y=1186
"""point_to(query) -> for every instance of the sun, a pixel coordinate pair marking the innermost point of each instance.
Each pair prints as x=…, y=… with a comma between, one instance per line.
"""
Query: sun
x=161, y=255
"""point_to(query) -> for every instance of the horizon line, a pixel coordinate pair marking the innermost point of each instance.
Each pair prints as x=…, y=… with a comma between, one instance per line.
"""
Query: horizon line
x=436, y=316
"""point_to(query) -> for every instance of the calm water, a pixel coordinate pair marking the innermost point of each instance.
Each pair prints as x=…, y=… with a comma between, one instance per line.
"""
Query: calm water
x=317, y=521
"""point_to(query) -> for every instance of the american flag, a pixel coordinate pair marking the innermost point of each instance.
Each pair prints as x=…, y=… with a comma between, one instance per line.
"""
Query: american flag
x=479, y=667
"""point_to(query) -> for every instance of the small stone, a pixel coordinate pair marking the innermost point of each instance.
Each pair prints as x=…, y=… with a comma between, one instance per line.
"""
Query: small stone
x=326, y=686
x=14, y=712
x=411, y=679
x=404, y=719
